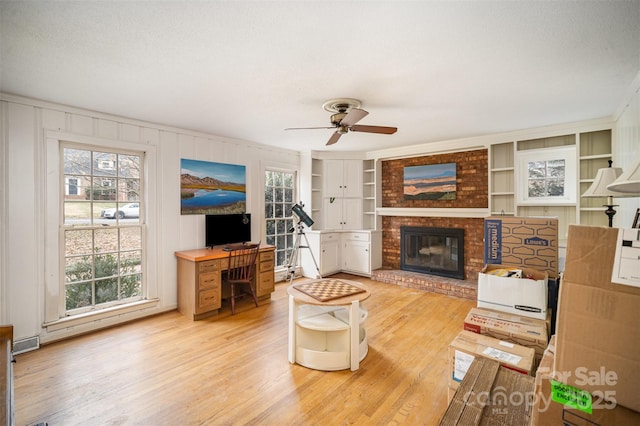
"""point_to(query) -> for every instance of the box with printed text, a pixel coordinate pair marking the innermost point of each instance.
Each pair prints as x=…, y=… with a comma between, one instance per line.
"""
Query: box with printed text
x=525, y=331
x=528, y=242
x=522, y=296
x=467, y=345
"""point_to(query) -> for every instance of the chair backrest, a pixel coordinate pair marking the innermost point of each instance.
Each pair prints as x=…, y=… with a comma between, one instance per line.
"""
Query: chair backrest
x=242, y=259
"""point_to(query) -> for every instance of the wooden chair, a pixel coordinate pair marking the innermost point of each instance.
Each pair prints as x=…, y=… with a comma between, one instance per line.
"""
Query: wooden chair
x=242, y=259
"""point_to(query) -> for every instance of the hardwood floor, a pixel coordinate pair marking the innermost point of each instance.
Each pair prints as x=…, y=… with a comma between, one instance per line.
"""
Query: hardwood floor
x=168, y=370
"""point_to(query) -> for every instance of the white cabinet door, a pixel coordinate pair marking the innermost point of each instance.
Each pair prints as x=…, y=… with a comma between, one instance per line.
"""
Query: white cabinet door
x=356, y=257
x=330, y=257
x=352, y=213
x=332, y=209
x=333, y=177
x=352, y=178
x=342, y=178
x=343, y=213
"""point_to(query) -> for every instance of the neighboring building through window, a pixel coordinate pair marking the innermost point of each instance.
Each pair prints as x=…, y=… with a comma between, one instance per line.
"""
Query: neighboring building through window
x=102, y=228
x=278, y=200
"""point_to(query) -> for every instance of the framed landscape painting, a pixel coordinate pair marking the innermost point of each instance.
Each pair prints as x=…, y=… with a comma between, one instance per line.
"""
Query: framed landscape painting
x=430, y=182
x=212, y=188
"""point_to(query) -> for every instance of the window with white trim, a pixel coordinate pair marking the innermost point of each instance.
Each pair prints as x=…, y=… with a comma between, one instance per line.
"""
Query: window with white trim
x=102, y=228
x=278, y=199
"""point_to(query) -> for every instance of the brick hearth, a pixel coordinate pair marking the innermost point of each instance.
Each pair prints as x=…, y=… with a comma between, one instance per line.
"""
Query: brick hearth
x=466, y=289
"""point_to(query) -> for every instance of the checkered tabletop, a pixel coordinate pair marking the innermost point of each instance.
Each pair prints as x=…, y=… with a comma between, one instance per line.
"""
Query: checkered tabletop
x=328, y=289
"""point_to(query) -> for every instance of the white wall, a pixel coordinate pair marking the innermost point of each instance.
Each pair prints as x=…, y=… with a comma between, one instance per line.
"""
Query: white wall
x=30, y=209
x=627, y=151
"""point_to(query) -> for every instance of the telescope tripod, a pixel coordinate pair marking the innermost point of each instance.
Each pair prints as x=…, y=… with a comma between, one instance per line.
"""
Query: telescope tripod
x=291, y=267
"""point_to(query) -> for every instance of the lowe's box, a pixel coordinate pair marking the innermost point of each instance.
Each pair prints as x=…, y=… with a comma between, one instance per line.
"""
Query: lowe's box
x=526, y=296
x=527, y=242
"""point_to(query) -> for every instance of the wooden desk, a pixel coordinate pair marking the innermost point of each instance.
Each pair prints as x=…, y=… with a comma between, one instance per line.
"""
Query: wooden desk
x=327, y=338
x=200, y=291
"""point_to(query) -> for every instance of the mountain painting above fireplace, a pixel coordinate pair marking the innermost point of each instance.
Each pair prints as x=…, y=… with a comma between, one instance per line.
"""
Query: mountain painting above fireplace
x=436, y=251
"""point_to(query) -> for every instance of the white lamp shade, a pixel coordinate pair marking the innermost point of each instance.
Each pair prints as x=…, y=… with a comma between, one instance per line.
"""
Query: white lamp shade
x=604, y=178
x=628, y=182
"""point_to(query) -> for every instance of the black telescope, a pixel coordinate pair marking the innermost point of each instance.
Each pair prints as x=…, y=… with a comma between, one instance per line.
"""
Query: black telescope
x=301, y=215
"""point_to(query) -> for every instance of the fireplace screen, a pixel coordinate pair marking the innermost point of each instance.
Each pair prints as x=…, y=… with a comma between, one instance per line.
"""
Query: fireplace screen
x=437, y=251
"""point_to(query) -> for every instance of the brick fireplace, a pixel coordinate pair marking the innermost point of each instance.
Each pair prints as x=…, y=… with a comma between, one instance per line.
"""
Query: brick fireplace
x=472, y=192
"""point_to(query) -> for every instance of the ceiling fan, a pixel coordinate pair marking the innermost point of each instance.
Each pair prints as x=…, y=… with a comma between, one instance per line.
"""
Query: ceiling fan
x=346, y=113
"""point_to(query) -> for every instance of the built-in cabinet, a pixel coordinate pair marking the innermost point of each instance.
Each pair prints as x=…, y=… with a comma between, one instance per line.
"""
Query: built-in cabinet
x=342, y=178
x=342, y=213
x=342, y=194
x=593, y=149
x=358, y=252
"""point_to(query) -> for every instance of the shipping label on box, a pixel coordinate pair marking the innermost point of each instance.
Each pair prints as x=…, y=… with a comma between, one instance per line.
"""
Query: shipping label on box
x=529, y=242
x=521, y=296
x=525, y=331
x=598, y=330
x=626, y=264
x=468, y=345
x=558, y=403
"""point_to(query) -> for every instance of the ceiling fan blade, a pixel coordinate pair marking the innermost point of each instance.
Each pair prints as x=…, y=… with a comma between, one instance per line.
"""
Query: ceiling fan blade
x=308, y=128
x=353, y=116
x=334, y=138
x=374, y=129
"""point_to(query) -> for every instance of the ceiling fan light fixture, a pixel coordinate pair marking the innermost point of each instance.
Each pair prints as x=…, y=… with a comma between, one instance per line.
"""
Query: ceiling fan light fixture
x=337, y=118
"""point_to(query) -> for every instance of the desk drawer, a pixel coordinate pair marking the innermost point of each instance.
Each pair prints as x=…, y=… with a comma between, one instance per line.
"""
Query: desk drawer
x=266, y=266
x=266, y=256
x=208, y=300
x=208, y=266
x=265, y=283
x=209, y=280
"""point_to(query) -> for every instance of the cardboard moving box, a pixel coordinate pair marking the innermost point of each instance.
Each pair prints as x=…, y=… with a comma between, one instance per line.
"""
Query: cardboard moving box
x=528, y=242
x=522, y=296
x=468, y=345
x=548, y=411
x=525, y=331
x=598, y=328
x=491, y=394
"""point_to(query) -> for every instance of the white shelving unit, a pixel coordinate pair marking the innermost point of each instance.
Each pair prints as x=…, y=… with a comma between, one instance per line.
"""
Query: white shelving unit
x=316, y=192
x=502, y=194
x=594, y=153
x=369, y=195
x=594, y=150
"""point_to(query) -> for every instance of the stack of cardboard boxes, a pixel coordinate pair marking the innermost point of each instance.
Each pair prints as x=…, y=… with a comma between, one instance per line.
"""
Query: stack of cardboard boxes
x=512, y=322
x=589, y=372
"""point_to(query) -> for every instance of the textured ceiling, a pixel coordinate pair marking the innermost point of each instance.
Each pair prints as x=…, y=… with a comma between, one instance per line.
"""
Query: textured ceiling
x=248, y=70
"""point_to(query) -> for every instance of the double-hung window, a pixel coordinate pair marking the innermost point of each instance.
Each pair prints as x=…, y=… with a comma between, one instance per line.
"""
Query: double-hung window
x=102, y=227
x=279, y=194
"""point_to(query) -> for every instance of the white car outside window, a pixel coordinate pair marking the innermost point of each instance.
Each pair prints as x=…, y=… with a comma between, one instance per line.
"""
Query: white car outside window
x=128, y=210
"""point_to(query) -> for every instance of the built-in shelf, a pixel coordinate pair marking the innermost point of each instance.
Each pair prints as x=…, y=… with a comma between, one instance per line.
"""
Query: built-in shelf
x=594, y=152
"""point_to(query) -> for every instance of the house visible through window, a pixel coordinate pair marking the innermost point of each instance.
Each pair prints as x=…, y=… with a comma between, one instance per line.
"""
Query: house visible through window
x=102, y=228
x=278, y=200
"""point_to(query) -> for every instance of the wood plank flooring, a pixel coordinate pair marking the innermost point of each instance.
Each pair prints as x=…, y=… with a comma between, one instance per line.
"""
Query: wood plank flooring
x=168, y=370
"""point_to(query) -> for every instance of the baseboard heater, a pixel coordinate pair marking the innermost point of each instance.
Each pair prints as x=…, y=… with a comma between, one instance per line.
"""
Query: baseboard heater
x=26, y=345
